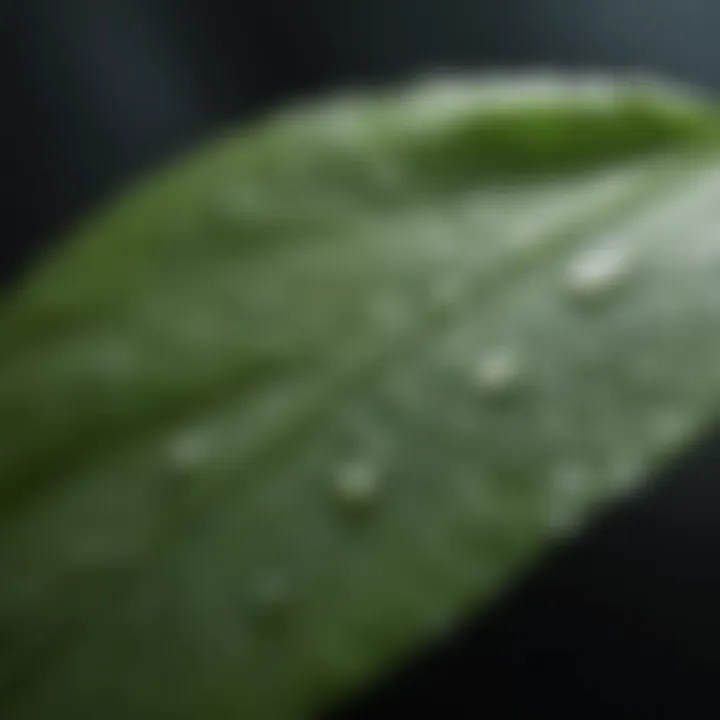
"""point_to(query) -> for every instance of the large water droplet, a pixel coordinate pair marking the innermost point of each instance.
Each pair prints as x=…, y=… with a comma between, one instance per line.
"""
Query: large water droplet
x=357, y=483
x=498, y=371
x=598, y=271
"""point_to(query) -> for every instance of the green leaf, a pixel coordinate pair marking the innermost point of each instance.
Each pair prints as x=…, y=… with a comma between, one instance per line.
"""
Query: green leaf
x=278, y=418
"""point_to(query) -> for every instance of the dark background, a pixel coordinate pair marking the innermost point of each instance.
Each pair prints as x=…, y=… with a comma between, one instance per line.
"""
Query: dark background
x=625, y=623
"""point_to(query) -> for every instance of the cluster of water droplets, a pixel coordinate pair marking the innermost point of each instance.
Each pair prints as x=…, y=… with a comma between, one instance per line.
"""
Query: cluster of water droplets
x=357, y=483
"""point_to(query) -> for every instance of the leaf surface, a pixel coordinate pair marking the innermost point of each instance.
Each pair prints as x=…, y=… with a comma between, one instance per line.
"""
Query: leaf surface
x=284, y=414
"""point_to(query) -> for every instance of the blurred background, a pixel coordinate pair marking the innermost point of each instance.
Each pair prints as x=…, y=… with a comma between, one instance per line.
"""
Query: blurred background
x=97, y=92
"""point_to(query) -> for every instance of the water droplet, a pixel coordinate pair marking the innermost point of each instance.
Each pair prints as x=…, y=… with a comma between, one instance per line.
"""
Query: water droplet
x=498, y=371
x=189, y=451
x=357, y=483
x=598, y=271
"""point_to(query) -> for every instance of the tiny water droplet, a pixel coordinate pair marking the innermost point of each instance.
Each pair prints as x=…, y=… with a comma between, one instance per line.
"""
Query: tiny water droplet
x=357, y=483
x=188, y=451
x=598, y=271
x=498, y=371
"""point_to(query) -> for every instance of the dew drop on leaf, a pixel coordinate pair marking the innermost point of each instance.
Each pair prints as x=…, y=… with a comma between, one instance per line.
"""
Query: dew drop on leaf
x=498, y=371
x=598, y=271
x=189, y=451
x=357, y=483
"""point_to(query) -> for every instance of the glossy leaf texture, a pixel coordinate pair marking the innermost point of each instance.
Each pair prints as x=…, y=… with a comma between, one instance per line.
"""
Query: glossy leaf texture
x=286, y=413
